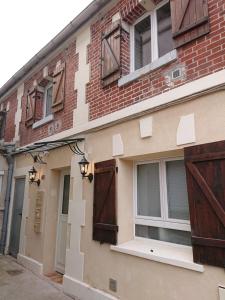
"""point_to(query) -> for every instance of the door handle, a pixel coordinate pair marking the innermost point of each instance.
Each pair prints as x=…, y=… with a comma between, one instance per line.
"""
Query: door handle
x=20, y=214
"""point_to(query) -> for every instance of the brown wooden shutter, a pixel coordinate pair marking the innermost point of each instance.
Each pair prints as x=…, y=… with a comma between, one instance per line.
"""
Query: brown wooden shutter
x=2, y=123
x=104, y=217
x=205, y=168
x=30, y=107
x=38, y=114
x=58, y=89
x=190, y=20
x=110, y=60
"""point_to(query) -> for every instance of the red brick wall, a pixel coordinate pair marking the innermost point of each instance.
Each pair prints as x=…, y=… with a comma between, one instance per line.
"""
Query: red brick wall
x=201, y=57
x=65, y=116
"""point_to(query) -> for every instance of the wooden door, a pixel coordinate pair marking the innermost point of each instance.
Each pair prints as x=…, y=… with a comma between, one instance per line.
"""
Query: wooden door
x=16, y=216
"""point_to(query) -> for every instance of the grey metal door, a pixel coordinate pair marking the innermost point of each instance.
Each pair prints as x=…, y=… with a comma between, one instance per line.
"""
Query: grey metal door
x=16, y=216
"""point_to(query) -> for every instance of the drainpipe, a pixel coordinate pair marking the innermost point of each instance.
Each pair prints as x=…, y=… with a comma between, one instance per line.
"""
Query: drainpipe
x=10, y=161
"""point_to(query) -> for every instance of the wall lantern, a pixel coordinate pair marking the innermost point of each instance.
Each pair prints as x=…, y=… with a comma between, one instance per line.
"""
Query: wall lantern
x=84, y=164
x=33, y=175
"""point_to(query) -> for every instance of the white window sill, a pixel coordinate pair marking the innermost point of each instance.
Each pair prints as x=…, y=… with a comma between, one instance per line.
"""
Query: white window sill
x=43, y=121
x=175, y=255
x=167, y=58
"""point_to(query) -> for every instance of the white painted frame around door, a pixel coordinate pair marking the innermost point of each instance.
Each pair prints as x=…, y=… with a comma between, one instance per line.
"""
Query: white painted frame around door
x=61, y=238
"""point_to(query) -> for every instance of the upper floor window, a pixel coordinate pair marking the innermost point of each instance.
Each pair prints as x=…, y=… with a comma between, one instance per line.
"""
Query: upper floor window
x=48, y=100
x=162, y=211
x=152, y=36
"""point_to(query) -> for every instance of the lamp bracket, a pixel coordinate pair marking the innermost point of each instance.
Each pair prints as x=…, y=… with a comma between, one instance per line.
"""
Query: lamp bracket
x=37, y=158
x=75, y=149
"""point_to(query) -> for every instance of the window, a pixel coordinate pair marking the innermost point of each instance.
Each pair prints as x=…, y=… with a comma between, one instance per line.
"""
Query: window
x=66, y=195
x=152, y=36
x=162, y=211
x=48, y=100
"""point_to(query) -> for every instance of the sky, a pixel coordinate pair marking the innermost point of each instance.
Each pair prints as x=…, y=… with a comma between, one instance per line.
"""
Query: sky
x=26, y=26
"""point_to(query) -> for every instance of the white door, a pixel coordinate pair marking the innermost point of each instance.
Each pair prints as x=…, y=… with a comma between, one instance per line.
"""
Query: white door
x=62, y=221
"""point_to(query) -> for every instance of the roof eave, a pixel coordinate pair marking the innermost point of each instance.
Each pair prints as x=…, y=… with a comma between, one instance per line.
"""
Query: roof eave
x=94, y=7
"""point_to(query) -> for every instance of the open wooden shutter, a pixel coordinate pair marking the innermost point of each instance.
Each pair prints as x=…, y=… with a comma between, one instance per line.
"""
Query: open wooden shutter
x=190, y=20
x=205, y=168
x=104, y=218
x=30, y=107
x=34, y=106
x=58, y=89
x=110, y=60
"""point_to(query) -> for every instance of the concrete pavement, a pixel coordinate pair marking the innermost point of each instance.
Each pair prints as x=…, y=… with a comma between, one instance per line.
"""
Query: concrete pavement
x=17, y=283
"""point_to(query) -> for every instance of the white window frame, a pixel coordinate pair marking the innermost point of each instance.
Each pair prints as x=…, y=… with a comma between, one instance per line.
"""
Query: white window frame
x=50, y=85
x=154, y=35
x=164, y=221
x=45, y=119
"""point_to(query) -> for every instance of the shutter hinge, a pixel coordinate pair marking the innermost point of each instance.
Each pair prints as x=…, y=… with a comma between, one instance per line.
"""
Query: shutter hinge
x=116, y=169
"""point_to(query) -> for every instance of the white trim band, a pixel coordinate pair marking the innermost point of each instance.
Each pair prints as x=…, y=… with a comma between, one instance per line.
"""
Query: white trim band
x=204, y=85
x=31, y=264
x=83, y=291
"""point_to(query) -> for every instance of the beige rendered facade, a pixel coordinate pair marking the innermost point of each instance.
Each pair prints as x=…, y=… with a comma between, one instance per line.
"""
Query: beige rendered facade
x=89, y=265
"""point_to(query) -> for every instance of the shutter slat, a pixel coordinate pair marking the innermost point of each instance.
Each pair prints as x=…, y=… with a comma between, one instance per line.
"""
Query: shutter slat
x=109, y=227
x=190, y=20
x=205, y=170
x=207, y=156
x=104, y=215
x=189, y=27
x=208, y=242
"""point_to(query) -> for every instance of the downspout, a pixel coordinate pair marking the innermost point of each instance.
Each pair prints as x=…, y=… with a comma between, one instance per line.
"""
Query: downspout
x=10, y=161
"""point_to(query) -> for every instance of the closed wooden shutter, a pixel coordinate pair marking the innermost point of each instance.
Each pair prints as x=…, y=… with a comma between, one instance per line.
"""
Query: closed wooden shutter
x=39, y=105
x=205, y=168
x=30, y=107
x=2, y=124
x=104, y=217
x=190, y=20
x=58, y=89
x=110, y=60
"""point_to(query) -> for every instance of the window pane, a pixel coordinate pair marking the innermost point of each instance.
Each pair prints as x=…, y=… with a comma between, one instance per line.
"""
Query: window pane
x=48, y=110
x=164, y=234
x=148, y=190
x=177, y=190
x=165, y=40
x=142, y=43
x=66, y=194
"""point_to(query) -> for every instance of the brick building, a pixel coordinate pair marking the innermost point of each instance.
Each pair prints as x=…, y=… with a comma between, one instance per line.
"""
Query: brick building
x=144, y=78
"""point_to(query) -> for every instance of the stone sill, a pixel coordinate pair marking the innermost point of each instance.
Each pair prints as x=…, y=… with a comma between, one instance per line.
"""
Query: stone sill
x=167, y=58
x=171, y=254
x=43, y=121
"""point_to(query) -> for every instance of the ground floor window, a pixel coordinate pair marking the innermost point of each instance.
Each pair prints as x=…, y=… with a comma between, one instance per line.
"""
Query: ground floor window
x=161, y=201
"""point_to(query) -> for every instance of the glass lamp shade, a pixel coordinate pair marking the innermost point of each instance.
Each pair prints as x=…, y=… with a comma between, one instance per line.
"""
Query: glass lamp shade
x=83, y=166
x=32, y=175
